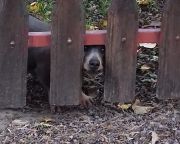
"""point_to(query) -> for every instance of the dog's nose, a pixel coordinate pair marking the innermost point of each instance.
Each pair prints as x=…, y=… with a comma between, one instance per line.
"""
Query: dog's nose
x=94, y=63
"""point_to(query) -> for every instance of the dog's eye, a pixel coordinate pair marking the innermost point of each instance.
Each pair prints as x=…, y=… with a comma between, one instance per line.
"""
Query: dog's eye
x=102, y=49
x=85, y=48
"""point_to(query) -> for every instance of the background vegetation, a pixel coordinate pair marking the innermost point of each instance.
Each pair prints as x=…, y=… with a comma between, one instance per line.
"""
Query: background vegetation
x=95, y=10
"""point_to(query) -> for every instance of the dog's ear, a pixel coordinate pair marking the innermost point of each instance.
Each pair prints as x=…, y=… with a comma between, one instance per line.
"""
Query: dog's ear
x=100, y=48
x=85, y=48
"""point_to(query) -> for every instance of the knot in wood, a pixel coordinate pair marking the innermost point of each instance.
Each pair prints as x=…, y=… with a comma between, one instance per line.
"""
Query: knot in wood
x=177, y=37
x=123, y=39
x=69, y=40
x=12, y=44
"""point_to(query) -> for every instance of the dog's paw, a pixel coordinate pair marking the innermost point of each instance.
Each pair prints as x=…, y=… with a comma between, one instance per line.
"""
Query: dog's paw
x=85, y=100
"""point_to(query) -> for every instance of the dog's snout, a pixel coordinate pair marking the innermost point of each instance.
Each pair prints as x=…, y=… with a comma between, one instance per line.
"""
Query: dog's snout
x=94, y=63
x=93, y=59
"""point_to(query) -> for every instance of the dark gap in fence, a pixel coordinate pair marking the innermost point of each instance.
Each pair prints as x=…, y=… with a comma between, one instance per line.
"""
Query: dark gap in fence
x=148, y=58
x=146, y=73
x=38, y=66
x=37, y=95
x=93, y=84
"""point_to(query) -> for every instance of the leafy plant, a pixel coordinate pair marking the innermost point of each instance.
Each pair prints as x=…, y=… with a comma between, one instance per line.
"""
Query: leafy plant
x=42, y=9
x=144, y=2
x=95, y=10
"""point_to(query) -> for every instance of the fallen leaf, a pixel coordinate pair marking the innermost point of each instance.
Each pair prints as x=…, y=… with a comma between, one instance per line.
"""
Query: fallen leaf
x=141, y=109
x=150, y=80
x=102, y=23
x=153, y=75
x=155, y=58
x=20, y=122
x=34, y=7
x=155, y=137
x=137, y=102
x=47, y=120
x=143, y=2
x=156, y=23
x=124, y=106
x=145, y=67
x=45, y=124
x=148, y=45
x=91, y=27
x=105, y=23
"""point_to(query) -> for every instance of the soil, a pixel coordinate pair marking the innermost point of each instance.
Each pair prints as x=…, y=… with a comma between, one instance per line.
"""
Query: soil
x=101, y=123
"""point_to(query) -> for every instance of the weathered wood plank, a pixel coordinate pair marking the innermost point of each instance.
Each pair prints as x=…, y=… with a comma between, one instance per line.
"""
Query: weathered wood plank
x=66, y=52
x=13, y=53
x=121, y=51
x=169, y=52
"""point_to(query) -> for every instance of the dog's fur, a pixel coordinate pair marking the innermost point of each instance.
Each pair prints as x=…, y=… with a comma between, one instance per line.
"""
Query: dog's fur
x=92, y=66
x=39, y=60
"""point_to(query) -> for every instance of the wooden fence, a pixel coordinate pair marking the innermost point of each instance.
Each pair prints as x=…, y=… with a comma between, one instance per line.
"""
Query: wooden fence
x=67, y=40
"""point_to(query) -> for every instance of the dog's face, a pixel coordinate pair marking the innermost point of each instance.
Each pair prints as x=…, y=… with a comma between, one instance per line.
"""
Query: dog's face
x=93, y=58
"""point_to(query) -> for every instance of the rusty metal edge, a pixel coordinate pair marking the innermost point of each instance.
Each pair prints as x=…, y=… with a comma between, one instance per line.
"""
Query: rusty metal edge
x=95, y=37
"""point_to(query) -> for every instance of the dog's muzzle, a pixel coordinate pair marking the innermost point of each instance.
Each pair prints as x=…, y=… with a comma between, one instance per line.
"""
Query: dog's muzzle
x=94, y=64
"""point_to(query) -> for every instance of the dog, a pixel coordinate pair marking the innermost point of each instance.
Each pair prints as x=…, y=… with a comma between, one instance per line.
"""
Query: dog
x=93, y=73
x=39, y=61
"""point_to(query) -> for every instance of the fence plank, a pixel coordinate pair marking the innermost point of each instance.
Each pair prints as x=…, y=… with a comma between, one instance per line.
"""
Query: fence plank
x=121, y=51
x=66, y=52
x=169, y=52
x=13, y=53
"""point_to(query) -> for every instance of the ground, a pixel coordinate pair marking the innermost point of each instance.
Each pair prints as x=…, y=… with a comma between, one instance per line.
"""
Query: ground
x=101, y=123
x=95, y=125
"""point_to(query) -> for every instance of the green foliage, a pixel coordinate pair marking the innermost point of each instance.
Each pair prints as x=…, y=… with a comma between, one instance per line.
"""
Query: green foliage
x=42, y=9
x=144, y=2
x=148, y=5
x=95, y=10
